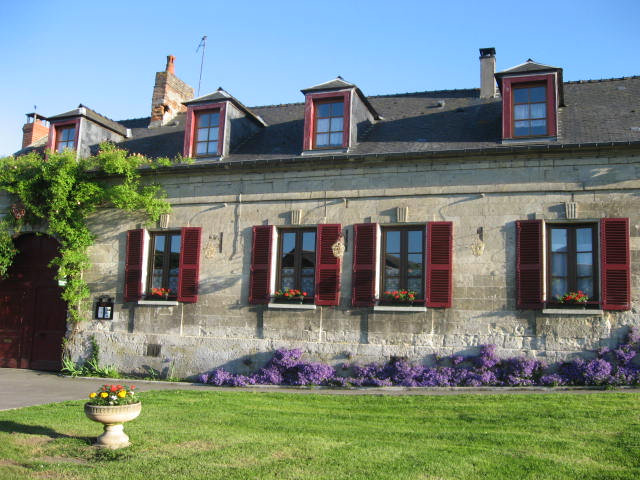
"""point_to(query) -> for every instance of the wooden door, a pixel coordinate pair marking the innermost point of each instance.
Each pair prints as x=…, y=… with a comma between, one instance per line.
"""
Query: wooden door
x=32, y=314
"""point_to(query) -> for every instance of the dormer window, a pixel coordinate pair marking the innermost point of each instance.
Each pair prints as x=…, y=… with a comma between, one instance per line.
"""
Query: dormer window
x=531, y=96
x=65, y=138
x=216, y=124
x=336, y=113
x=329, y=124
x=207, y=137
x=530, y=111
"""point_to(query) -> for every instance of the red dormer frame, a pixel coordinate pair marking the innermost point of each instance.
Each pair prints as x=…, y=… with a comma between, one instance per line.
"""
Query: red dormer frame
x=311, y=99
x=189, y=131
x=508, y=84
x=53, y=133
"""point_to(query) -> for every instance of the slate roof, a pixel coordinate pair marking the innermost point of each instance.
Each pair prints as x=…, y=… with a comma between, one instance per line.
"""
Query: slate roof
x=94, y=116
x=596, y=111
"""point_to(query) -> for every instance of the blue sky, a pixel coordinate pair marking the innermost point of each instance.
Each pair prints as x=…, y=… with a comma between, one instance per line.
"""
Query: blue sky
x=105, y=54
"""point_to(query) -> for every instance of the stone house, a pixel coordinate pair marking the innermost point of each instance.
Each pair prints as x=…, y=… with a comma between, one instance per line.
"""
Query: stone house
x=487, y=203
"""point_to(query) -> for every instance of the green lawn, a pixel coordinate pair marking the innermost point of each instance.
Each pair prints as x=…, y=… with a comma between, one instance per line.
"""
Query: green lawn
x=240, y=435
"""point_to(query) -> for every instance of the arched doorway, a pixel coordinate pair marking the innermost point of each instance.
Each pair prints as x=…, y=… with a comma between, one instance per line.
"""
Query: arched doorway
x=32, y=314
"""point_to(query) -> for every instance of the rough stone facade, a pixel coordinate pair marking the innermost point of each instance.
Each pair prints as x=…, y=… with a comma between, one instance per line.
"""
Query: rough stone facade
x=491, y=192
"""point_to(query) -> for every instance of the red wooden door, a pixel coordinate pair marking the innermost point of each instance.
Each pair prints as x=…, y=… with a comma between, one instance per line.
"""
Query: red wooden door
x=32, y=314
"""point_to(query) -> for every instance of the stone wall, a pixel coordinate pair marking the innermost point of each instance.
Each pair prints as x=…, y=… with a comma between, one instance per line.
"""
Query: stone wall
x=222, y=329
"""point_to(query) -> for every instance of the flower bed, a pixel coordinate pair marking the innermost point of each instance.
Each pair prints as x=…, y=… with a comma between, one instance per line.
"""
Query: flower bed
x=611, y=367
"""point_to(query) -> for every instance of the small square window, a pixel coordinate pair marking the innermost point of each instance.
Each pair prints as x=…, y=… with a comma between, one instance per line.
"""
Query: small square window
x=65, y=138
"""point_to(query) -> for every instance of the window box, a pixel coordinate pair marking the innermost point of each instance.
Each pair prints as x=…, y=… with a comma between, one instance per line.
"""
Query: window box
x=570, y=311
x=291, y=306
x=399, y=308
x=159, y=303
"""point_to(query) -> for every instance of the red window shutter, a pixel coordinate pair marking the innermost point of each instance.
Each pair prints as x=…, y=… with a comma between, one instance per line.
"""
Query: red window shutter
x=261, y=254
x=439, y=264
x=327, y=266
x=363, y=289
x=133, y=265
x=529, y=266
x=616, y=268
x=189, y=265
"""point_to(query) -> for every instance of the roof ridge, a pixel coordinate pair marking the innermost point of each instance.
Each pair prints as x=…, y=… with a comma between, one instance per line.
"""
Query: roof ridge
x=612, y=79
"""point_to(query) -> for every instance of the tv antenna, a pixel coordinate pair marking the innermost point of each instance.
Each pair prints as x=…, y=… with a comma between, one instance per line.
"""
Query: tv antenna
x=203, y=44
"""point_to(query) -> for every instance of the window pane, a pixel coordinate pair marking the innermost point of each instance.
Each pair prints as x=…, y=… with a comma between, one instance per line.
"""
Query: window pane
x=538, y=110
x=391, y=283
x=538, y=127
x=201, y=148
x=521, y=128
x=212, y=148
x=203, y=120
x=307, y=285
x=173, y=285
x=392, y=241
x=322, y=140
x=392, y=265
x=324, y=110
x=586, y=285
x=214, y=119
x=558, y=287
x=203, y=135
x=156, y=279
x=288, y=242
x=309, y=241
x=537, y=94
x=414, y=264
x=68, y=134
x=521, y=95
x=584, y=239
x=416, y=245
x=323, y=125
x=213, y=134
x=558, y=240
x=337, y=109
x=584, y=264
x=559, y=265
x=288, y=282
x=415, y=284
x=520, y=112
x=336, y=139
x=336, y=124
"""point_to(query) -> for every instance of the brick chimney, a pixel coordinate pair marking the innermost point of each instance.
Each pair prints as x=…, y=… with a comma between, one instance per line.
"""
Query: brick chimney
x=168, y=94
x=487, y=72
x=35, y=129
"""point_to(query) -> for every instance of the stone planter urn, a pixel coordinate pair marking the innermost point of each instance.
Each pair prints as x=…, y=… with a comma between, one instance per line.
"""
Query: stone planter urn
x=112, y=417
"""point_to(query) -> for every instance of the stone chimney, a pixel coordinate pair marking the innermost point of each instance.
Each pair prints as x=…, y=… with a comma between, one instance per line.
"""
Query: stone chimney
x=35, y=129
x=168, y=94
x=487, y=72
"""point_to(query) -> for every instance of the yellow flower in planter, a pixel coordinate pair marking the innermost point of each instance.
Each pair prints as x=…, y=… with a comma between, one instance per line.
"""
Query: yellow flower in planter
x=92, y=395
x=104, y=394
x=122, y=393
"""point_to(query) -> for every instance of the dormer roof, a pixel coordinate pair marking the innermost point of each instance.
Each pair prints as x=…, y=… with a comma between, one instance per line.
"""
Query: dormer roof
x=221, y=95
x=340, y=83
x=83, y=111
x=530, y=67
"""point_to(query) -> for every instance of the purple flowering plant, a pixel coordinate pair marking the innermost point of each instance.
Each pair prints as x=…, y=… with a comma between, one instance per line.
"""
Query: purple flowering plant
x=286, y=367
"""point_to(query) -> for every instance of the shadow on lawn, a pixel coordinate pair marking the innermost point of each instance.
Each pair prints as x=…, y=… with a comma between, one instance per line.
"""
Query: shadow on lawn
x=13, y=427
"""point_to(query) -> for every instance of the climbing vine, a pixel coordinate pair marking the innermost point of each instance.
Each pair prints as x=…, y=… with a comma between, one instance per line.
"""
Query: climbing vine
x=59, y=193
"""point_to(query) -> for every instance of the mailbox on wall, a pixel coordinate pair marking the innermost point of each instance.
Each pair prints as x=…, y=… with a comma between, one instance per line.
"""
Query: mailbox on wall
x=104, y=308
